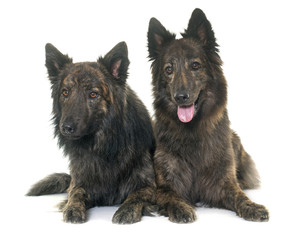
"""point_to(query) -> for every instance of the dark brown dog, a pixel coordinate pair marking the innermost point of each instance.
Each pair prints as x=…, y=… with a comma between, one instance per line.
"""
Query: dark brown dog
x=106, y=132
x=198, y=158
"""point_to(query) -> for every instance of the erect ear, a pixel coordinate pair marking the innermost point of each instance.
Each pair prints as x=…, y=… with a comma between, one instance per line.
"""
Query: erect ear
x=55, y=60
x=200, y=28
x=117, y=61
x=158, y=36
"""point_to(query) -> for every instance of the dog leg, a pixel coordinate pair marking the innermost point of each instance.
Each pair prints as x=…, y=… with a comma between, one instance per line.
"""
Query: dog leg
x=235, y=199
x=134, y=206
x=75, y=210
x=174, y=207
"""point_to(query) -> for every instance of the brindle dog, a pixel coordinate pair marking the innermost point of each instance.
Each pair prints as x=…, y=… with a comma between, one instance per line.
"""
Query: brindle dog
x=106, y=132
x=198, y=158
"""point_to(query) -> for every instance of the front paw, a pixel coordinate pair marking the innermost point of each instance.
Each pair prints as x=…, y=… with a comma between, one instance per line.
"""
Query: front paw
x=73, y=214
x=253, y=212
x=128, y=213
x=181, y=213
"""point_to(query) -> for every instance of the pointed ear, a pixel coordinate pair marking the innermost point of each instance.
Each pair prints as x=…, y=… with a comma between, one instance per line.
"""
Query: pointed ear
x=117, y=61
x=200, y=28
x=55, y=60
x=158, y=36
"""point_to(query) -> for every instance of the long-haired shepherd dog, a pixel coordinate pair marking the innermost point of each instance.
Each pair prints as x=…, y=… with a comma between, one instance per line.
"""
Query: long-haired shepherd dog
x=107, y=134
x=198, y=158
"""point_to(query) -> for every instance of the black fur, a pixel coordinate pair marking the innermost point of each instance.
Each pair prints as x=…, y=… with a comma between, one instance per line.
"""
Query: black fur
x=106, y=132
x=198, y=158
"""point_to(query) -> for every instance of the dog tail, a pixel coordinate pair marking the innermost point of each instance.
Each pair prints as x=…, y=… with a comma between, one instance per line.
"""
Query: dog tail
x=54, y=183
x=247, y=174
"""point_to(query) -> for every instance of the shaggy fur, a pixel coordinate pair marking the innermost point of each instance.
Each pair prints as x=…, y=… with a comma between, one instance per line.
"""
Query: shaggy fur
x=106, y=132
x=198, y=158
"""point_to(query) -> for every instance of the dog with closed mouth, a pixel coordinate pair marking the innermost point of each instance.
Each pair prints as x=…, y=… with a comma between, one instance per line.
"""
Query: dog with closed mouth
x=106, y=132
x=198, y=158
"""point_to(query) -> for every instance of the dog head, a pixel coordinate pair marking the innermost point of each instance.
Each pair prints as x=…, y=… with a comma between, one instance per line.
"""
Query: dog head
x=84, y=93
x=187, y=76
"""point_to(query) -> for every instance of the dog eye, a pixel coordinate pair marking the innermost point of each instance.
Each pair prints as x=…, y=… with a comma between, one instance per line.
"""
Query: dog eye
x=169, y=70
x=93, y=95
x=65, y=92
x=196, y=65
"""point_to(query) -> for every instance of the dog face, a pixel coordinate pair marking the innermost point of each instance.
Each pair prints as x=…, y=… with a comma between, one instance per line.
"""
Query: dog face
x=83, y=100
x=83, y=92
x=187, y=75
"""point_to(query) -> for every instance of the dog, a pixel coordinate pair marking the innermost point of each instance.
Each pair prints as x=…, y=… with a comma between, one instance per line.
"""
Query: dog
x=107, y=134
x=198, y=158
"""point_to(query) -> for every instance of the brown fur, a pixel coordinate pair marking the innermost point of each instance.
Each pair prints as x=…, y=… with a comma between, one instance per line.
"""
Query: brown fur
x=202, y=160
x=106, y=132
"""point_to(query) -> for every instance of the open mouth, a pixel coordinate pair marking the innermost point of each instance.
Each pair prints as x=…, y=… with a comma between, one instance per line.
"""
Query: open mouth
x=186, y=113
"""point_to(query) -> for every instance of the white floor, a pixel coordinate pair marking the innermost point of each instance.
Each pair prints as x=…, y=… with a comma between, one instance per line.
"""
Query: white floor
x=262, y=49
x=37, y=218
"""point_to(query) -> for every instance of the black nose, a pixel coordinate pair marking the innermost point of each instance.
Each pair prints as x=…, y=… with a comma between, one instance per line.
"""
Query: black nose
x=68, y=128
x=181, y=97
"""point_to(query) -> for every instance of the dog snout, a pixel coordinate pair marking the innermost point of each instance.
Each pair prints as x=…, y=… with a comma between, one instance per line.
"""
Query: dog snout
x=181, y=97
x=68, y=128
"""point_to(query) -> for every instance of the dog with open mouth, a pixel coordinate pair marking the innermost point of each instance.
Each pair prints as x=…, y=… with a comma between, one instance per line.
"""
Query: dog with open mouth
x=198, y=158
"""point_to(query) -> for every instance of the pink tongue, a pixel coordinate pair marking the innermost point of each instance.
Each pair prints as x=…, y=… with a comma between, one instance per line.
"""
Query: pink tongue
x=185, y=114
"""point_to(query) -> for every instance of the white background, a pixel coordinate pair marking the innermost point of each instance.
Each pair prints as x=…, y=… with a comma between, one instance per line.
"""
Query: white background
x=261, y=44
